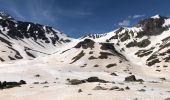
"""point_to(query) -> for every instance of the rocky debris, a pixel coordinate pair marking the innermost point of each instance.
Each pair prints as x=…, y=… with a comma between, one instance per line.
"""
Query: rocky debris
x=141, y=44
x=5, y=84
x=142, y=90
x=92, y=57
x=121, y=89
x=113, y=74
x=37, y=75
x=114, y=88
x=100, y=88
x=45, y=86
x=22, y=82
x=163, y=78
x=144, y=52
x=96, y=66
x=127, y=88
x=105, y=55
x=117, y=88
x=158, y=70
x=140, y=80
x=87, y=43
x=80, y=90
x=135, y=99
x=132, y=78
x=153, y=82
x=90, y=79
x=31, y=87
x=121, y=83
x=95, y=79
x=91, y=52
x=44, y=82
x=36, y=83
x=75, y=82
x=167, y=98
x=111, y=65
x=79, y=56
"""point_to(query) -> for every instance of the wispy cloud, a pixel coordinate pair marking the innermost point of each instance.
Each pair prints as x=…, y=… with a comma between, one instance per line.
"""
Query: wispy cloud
x=124, y=23
x=136, y=16
x=130, y=19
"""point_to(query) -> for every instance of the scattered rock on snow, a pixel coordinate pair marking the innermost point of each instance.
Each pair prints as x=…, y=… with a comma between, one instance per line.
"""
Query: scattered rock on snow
x=80, y=90
x=75, y=82
x=114, y=87
x=131, y=78
x=99, y=88
x=95, y=79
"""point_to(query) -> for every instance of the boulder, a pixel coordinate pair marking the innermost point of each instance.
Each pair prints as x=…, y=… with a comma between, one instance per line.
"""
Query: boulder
x=75, y=82
x=131, y=78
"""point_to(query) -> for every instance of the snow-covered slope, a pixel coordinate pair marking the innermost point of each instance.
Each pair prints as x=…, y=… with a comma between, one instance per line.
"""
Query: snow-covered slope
x=145, y=44
x=142, y=50
x=26, y=40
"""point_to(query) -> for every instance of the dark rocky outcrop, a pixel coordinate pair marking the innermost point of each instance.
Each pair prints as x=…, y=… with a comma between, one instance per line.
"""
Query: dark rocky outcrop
x=95, y=79
x=141, y=44
x=111, y=65
x=92, y=57
x=80, y=55
x=144, y=52
x=90, y=79
x=75, y=82
x=132, y=78
x=5, y=84
x=104, y=55
x=151, y=26
x=87, y=43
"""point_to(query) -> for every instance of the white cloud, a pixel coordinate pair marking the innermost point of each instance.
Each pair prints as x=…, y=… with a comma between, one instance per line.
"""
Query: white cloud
x=124, y=23
x=137, y=16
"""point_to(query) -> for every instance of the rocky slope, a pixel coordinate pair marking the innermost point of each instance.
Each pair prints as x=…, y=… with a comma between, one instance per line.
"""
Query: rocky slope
x=145, y=44
x=26, y=40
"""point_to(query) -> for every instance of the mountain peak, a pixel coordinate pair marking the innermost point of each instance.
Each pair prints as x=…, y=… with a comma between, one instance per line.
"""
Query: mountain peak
x=159, y=17
x=154, y=21
x=156, y=16
x=4, y=15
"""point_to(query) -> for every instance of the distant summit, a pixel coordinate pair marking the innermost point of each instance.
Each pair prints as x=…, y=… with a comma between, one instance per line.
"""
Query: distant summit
x=4, y=15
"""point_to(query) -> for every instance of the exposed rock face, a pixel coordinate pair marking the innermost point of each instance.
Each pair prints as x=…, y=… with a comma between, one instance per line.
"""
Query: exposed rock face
x=131, y=78
x=5, y=84
x=87, y=43
x=152, y=26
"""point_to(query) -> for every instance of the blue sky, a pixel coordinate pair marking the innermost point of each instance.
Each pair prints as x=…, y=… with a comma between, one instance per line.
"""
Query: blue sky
x=80, y=17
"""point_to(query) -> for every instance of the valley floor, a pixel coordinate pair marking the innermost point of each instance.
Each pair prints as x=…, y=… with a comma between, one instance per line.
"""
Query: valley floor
x=49, y=82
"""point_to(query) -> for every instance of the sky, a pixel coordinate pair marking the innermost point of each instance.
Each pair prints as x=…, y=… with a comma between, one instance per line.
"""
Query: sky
x=77, y=18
